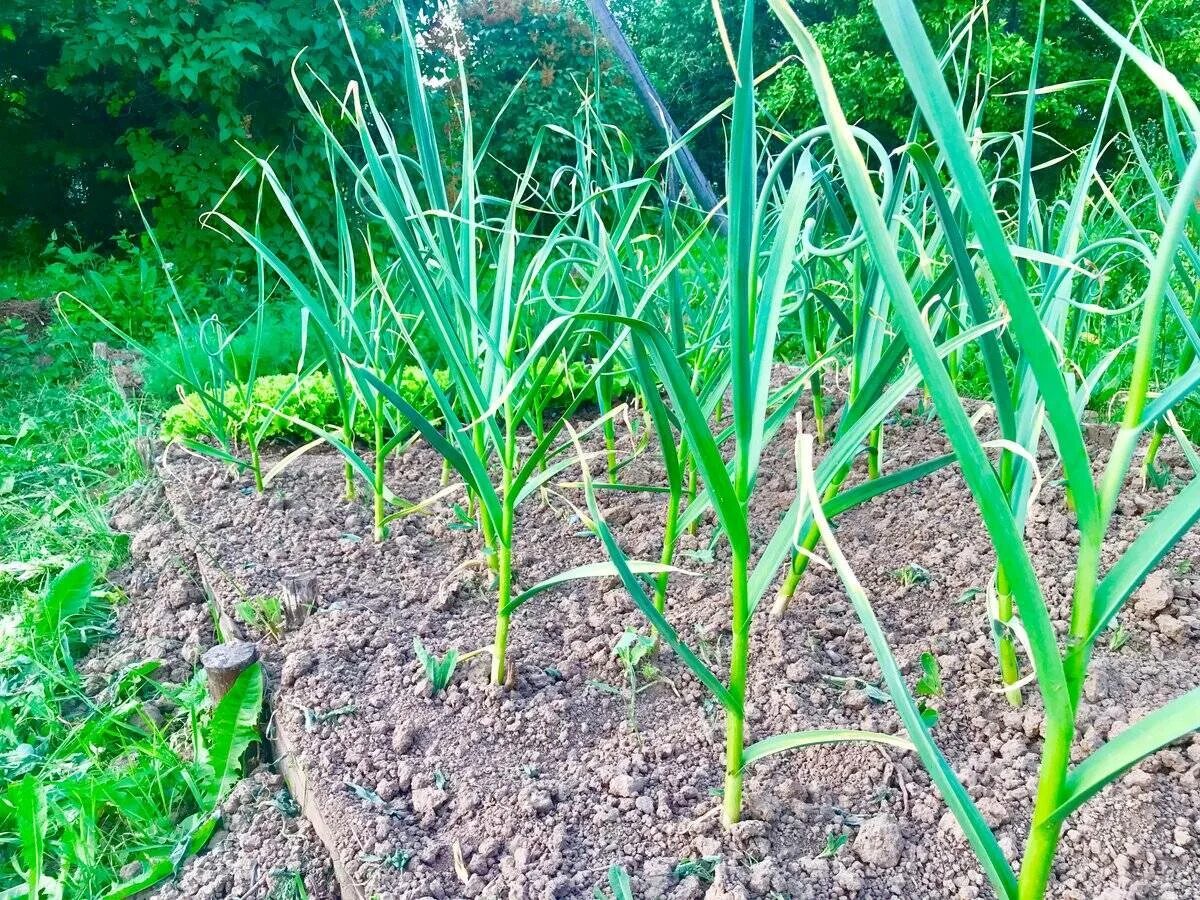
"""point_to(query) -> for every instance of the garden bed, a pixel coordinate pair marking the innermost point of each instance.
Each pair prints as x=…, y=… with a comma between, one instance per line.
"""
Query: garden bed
x=536, y=790
x=263, y=847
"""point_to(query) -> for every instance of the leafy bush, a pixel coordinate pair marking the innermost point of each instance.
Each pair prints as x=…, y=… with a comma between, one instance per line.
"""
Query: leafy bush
x=83, y=772
x=315, y=401
x=312, y=400
x=160, y=92
x=875, y=95
x=128, y=287
x=91, y=782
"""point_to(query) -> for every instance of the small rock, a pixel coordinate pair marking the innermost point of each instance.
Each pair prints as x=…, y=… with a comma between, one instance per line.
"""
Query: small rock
x=855, y=699
x=182, y=594
x=993, y=811
x=626, y=785
x=428, y=800
x=747, y=830
x=538, y=802
x=299, y=663
x=948, y=825
x=850, y=881
x=879, y=841
x=1154, y=595
x=1171, y=628
x=1098, y=685
x=1012, y=749
x=403, y=737
x=1058, y=527
x=691, y=888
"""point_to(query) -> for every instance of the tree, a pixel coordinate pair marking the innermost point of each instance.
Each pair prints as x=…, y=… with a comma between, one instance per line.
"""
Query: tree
x=163, y=92
x=678, y=43
x=874, y=94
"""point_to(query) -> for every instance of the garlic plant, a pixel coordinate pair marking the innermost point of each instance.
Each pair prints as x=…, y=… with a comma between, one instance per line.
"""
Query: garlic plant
x=1060, y=662
x=764, y=239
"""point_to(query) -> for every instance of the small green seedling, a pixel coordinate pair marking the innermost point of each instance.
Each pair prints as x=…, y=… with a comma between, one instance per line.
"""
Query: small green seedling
x=1118, y=638
x=439, y=670
x=397, y=859
x=873, y=691
x=968, y=595
x=1158, y=478
x=264, y=614
x=288, y=885
x=833, y=844
x=632, y=649
x=911, y=573
x=930, y=682
x=462, y=520
x=619, y=885
x=313, y=719
x=928, y=686
x=704, y=868
x=363, y=793
x=283, y=801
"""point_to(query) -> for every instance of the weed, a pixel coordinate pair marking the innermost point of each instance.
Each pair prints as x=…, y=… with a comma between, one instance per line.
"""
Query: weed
x=930, y=682
x=283, y=801
x=703, y=868
x=1118, y=638
x=397, y=859
x=288, y=885
x=910, y=573
x=438, y=669
x=928, y=687
x=632, y=649
x=314, y=720
x=619, y=885
x=833, y=844
x=264, y=614
x=69, y=747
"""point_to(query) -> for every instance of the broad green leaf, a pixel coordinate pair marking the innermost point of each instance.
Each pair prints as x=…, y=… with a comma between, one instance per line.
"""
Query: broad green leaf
x=232, y=727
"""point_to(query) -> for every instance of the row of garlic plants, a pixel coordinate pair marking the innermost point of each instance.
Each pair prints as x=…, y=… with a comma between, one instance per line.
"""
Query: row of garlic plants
x=900, y=269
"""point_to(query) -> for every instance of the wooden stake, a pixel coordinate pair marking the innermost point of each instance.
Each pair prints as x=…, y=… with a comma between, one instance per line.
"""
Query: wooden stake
x=224, y=663
x=701, y=187
x=299, y=596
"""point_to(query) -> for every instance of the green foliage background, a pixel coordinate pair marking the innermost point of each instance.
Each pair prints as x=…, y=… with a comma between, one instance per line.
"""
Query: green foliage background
x=160, y=93
x=873, y=91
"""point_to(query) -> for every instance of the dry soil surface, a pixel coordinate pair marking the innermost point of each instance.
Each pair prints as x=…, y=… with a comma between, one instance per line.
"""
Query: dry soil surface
x=535, y=791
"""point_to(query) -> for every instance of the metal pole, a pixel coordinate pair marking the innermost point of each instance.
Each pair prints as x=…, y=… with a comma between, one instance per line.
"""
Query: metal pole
x=700, y=186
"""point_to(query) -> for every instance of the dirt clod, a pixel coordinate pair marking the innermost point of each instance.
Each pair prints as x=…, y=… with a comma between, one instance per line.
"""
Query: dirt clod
x=879, y=841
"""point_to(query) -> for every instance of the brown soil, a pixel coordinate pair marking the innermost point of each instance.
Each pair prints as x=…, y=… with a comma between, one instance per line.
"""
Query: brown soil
x=534, y=792
x=36, y=314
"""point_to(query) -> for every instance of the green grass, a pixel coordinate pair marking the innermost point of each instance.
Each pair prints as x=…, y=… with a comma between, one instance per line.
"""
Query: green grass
x=66, y=447
x=98, y=799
